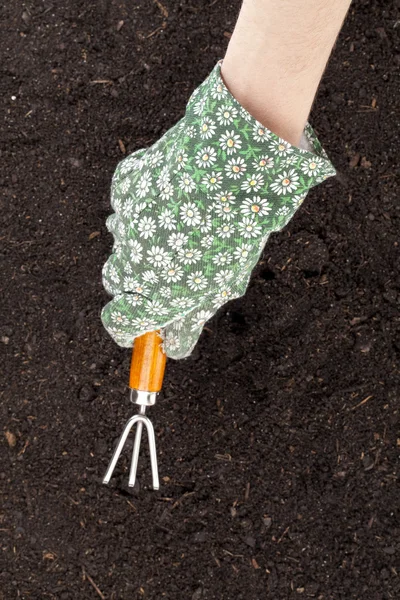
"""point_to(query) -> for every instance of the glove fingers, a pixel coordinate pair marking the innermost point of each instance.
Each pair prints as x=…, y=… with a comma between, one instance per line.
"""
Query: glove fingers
x=182, y=335
x=131, y=314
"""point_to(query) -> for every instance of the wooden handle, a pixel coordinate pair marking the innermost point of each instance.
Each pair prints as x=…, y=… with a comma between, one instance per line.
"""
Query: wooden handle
x=148, y=363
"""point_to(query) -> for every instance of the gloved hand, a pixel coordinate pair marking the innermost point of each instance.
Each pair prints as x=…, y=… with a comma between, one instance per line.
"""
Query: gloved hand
x=193, y=213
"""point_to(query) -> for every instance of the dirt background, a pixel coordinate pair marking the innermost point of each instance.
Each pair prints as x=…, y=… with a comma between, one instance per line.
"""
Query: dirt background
x=278, y=439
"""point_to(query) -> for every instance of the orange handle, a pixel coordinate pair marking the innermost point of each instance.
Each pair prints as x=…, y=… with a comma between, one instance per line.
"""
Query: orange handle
x=147, y=363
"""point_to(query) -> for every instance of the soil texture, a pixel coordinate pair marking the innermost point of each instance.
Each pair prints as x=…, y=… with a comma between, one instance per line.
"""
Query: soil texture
x=278, y=438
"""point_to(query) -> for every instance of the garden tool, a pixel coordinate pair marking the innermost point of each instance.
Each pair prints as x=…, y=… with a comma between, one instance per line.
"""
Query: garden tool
x=145, y=382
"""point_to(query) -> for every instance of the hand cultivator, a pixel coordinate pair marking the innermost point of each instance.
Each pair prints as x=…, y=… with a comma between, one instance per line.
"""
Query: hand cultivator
x=145, y=381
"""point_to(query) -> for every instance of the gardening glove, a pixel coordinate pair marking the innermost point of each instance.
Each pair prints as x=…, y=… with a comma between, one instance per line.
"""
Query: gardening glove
x=192, y=214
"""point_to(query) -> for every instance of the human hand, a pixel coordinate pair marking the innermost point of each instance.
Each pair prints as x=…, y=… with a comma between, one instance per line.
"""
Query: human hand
x=193, y=213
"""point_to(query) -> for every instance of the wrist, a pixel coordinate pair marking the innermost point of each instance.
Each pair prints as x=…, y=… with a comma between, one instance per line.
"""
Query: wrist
x=276, y=58
x=265, y=103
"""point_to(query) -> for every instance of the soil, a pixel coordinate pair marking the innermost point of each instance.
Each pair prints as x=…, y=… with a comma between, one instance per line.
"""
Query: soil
x=278, y=438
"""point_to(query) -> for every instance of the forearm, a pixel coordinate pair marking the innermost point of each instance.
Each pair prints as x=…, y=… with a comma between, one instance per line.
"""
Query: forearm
x=276, y=57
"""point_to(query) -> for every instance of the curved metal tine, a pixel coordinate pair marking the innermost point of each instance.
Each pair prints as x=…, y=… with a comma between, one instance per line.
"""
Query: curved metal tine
x=135, y=454
x=153, y=452
x=153, y=456
x=120, y=445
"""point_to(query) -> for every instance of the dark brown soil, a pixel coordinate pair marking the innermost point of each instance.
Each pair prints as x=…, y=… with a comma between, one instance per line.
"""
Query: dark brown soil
x=278, y=439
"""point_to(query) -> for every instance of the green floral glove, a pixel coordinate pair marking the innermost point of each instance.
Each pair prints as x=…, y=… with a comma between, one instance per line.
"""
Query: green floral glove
x=193, y=213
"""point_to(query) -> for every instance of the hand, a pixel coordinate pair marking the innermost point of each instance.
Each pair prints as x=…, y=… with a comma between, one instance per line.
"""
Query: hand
x=193, y=213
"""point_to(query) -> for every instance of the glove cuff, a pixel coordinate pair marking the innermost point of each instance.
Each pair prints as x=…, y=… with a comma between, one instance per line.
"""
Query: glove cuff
x=212, y=96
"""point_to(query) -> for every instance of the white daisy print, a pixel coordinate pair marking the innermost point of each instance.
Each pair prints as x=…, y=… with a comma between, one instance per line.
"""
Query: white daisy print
x=143, y=324
x=205, y=224
x=189, y=256
x=116, y=202
x=207, y=241
x=129, y=284
x=130, y=163
x=245, y=114
x=150, y=276
x=193, y=95
x=135, y=251
x=190, y=131
x=134, y=299
x=121, y=230
x=288, y=161
x=260, y=133
x=113, y=274
x=199, y=106
x=193, y=212
x=139, y=288
x=147, y=227
x=310, y=167
x=224, y=197
x=226, y=114
x=287, y=182
x=225, y=231
x=230, y=142
x=156, y=159
x=197, y=281
x=125, y=185
x=190, y=214
x=201, y=317
x=119, y=318
x=222, y=296
x=283, y=210
x=225, y=211
x=218, y=91
x=206, y=157
x=241, y=253
x=108, y=286
x=118, y=250
x=178, y=324
x=137, y=209
x=222, y=277
x=156, y=307
x=280, y=147
x=264, y=163
x=255, y=206
x=128, y=208
x=207, y=128
x=163, y=178
x=182, y=303
x=167, y=191
x=181, y=160
x=172, y=273
x=212, y=181
x=186, y=183
x=158, y=256
x=222, y=258
x=249, y=227
x=235, y=168
x=253, y=184
x=172, y=341
x=143, y=185
x=165, y=291
x=177, y=240
x=297, y=200
x=167, y=219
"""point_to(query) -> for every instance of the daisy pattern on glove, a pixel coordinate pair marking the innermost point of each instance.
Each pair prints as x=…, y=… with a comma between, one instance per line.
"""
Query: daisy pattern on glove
x=193, y=212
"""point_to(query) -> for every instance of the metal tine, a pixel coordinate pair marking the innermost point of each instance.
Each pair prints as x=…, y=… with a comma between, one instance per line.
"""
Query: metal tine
x=141, y=420
x=152, y=446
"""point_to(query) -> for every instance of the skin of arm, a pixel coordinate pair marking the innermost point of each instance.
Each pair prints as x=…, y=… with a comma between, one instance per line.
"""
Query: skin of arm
x=276, y=58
